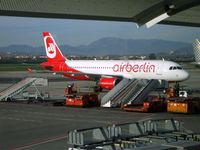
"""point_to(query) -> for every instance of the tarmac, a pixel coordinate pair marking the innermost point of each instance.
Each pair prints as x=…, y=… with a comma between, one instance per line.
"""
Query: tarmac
x=39, y=126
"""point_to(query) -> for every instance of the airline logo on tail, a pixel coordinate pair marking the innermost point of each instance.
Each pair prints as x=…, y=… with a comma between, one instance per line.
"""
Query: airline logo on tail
x=53, y=52
x=50, y=47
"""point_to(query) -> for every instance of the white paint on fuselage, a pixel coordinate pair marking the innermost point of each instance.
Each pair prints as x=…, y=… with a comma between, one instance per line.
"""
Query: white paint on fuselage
x=137, y=69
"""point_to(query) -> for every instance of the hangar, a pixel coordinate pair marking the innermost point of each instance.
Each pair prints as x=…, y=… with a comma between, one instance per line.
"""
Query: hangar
x=142, y=12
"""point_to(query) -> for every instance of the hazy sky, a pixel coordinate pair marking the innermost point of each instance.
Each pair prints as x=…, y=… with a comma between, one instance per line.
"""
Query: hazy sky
x=28, y=31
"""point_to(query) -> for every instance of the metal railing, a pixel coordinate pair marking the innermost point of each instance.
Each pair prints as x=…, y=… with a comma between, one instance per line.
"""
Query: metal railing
x=148, y=134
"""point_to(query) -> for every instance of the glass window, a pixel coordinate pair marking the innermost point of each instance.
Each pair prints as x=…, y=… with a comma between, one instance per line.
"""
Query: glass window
x=180, y=68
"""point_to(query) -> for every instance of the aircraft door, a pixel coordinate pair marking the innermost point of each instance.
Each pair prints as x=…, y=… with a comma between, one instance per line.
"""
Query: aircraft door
x=159, y=70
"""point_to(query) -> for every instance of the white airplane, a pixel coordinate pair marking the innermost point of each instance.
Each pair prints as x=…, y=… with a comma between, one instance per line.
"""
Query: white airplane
x=109, y=71
x=196, y=49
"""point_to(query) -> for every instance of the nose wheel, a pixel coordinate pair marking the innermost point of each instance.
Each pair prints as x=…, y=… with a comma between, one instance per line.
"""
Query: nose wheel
x=176, y=89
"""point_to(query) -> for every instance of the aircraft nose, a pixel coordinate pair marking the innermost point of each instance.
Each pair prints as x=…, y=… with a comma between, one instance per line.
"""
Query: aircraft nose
x=185, y=75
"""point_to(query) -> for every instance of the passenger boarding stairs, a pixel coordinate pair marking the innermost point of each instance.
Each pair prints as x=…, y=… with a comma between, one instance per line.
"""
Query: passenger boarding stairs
x=106, y=100
x=141, y=92
x=17, y=88
x=128, y=91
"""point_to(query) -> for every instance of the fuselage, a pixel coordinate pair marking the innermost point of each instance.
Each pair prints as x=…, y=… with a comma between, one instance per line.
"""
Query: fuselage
x=138, y=69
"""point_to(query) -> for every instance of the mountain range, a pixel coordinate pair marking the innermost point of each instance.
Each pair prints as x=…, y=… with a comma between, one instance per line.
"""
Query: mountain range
x=109, y=46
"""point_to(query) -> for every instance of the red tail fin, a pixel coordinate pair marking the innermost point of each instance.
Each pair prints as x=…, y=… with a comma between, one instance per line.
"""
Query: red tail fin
x=52, y=50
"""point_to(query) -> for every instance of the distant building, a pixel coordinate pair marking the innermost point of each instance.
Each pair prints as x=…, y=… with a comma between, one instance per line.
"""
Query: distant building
x=196, y=49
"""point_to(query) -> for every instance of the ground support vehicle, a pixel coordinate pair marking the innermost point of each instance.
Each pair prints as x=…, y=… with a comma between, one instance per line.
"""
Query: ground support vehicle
x=183, y=105
x=82, y=100
x=154, y=104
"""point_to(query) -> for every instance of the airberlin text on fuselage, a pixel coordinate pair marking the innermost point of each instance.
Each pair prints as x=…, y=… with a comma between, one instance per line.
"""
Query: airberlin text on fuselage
x=126, y=67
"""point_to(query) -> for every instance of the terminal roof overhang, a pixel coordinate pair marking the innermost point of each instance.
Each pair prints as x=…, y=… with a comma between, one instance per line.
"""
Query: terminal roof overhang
x=181, y=12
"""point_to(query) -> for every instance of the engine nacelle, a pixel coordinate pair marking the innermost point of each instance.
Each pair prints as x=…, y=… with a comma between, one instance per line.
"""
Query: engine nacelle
x=108, y=83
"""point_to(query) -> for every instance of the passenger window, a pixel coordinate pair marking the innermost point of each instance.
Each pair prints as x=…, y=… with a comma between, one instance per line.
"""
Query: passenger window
x=170, y=68
x=174, y=68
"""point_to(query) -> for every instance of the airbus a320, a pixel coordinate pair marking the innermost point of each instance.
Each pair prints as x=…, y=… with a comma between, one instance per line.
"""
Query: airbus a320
x=109, y=71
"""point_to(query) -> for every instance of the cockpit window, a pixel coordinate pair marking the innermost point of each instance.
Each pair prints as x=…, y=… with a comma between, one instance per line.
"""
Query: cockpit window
x=174, y=68
x=180, y=68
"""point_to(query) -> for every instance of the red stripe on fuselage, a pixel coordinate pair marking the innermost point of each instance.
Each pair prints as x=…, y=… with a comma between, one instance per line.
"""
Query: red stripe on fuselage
x=63, y=67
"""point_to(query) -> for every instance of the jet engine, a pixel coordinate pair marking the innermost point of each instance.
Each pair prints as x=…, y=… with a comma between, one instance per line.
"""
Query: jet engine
x=108, y=83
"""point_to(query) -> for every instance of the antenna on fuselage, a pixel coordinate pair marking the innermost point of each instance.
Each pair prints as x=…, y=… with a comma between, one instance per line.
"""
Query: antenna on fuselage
x=143, y=57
